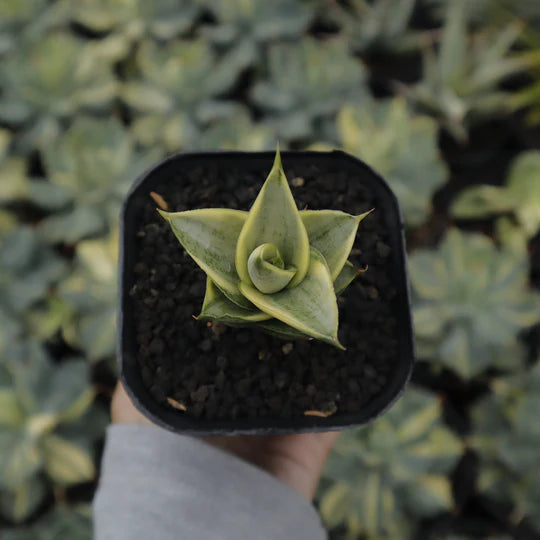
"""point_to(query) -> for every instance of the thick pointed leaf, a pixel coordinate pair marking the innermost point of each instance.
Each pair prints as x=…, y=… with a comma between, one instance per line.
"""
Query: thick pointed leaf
x=345, y=277
x=274, y=218
x=310, y=307
x=217, y=307
x=209, y=235
x=265, y=267
x=332, y=233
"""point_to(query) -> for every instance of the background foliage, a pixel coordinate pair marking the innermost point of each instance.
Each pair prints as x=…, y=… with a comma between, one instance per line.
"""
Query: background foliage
x=440, y=96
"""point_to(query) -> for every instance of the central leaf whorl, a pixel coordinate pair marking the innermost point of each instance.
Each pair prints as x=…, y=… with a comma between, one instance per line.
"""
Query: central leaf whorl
x=267, y=270
x=288, y=265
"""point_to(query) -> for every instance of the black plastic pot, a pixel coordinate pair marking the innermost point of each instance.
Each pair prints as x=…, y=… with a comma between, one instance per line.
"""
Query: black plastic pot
x=179, y=422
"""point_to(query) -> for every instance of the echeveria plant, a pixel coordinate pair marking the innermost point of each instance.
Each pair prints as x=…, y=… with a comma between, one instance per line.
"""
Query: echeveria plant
x=274, y=267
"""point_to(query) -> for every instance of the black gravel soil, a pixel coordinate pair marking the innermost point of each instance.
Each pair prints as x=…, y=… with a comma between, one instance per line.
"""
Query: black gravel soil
x=221, y=372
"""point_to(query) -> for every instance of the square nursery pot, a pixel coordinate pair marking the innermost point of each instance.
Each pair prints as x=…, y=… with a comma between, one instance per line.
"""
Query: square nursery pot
x=240, y=380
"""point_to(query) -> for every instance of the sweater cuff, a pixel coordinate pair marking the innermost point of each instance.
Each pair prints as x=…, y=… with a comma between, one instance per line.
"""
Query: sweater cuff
x=156, y=484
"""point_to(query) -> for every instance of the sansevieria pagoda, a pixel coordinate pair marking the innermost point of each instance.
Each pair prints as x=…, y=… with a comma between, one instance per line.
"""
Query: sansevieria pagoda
x=274, y=267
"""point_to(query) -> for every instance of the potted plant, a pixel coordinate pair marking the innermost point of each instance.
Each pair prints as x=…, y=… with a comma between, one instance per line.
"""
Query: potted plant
x=265, y=353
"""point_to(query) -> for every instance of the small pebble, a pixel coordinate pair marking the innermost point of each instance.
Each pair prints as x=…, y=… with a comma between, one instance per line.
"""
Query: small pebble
x=157, y=346
x=287, y=348
x=205, y=345
x=383, y=250
x=221, y=362
x=200, y=394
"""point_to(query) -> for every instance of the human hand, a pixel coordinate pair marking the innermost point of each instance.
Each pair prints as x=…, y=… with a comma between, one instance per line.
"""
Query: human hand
x=297, y=460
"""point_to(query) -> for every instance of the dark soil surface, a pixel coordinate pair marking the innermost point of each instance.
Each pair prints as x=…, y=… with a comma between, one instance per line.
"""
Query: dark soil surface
x=222, y=372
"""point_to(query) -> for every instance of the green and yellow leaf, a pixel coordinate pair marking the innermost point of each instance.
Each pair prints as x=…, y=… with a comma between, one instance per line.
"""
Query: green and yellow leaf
x=310, y=307
x=274, y=218
x=217, y=307
x=266, y=269
x=332, y=233
x=345, y=277
x=209, y=236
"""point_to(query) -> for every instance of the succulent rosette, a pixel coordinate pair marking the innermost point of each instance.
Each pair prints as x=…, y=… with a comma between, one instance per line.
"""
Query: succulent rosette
x=274, y=267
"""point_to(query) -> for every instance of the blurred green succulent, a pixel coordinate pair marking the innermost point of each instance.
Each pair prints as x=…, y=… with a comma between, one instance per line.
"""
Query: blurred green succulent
x=47, y=427
x=13, y=178
x=28, y=269
x=8, y=221
x=175, y=90
x=520, y=491
x=476, y=12
x=17, y=186
x=528, y=98
x=237, y=132
x=380, y=479
x=17, y=13
x=520, y=195
x=374, y=25
x=511, y=236
x=527, y=9
x=461, y=80
x=83, y=306
x=90, y=294
x=307, y=82
x=27, y=20
x=258, y=21
x=244, y=26
x=505, y=426
x=61, y=522
x=49, y=80
x=10, y=324
x=506, y=435
x=133, y=19
x=470, y=302
x=491, y=12
x=89, y=169
x=21, y=502
x=401, y=146
x=454, y=536
x=272, y=267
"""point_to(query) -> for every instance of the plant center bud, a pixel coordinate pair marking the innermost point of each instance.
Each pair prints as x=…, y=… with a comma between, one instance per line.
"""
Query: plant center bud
x=267, y=270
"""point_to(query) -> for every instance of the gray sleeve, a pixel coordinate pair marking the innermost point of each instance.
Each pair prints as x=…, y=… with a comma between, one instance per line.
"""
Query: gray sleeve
x=155, y=484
